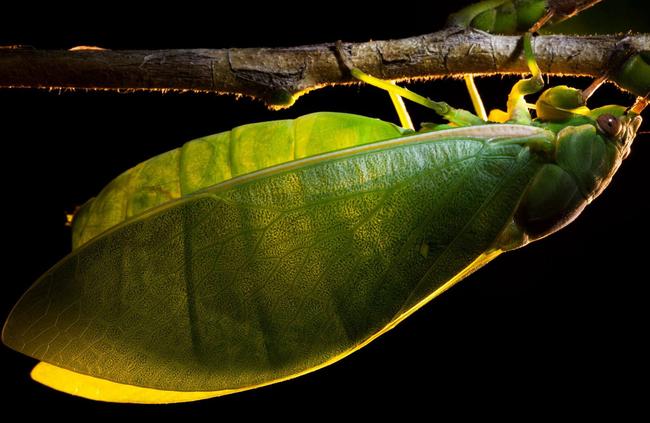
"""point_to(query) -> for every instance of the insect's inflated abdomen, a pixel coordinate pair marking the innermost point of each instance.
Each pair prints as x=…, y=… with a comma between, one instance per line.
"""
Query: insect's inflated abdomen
x=209, y=160
x=266, y=277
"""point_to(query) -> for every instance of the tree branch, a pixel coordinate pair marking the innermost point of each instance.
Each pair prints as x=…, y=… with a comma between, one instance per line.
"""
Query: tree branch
x=278, y=75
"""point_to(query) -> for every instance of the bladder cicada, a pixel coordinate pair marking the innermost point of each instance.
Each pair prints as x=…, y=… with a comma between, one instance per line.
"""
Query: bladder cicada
x=266, y=252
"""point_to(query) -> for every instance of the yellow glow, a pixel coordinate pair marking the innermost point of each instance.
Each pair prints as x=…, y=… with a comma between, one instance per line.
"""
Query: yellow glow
x=103, y=390
x=582, y=110
x=69, y=217
x=480, y=261
x=499, y=116
x=87, y=48
x=640, y=104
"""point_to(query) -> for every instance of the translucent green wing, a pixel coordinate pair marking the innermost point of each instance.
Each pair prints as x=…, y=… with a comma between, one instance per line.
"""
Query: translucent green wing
x=277, y=273
x=207, y=161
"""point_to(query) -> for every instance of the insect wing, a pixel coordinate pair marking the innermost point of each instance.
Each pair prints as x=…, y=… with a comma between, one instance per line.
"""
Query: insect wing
x=274, y=274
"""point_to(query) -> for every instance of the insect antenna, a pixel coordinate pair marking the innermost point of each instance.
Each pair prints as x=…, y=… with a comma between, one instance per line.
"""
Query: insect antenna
x=591, y=89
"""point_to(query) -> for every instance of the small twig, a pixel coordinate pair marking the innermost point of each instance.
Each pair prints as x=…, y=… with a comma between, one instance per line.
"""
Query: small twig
x=279, y=75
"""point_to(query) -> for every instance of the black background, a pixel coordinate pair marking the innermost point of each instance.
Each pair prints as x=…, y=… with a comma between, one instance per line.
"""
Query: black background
x=562, y=322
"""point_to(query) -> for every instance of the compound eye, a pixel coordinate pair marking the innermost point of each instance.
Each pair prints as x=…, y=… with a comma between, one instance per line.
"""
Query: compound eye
x=609, y=124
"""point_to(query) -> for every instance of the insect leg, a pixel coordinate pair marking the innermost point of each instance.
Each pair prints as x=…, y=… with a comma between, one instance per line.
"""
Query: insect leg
x=458, y=117
x=517, y=106
x=479, y=108
x=591, y=89
x=640, y=104
x=400, y=108
x=550, y=13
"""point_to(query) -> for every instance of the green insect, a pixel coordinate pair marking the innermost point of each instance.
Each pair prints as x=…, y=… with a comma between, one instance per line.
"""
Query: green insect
x=261, y=254
x=516, y=16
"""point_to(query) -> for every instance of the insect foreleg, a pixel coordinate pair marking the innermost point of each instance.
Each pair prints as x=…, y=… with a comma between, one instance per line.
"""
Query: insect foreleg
x=517, y=107
x=517, y=111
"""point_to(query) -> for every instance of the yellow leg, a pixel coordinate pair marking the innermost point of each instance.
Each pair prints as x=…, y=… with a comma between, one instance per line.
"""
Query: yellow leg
x=402, y=113
x=517, y=106
x=457, y=116
x=479, y=108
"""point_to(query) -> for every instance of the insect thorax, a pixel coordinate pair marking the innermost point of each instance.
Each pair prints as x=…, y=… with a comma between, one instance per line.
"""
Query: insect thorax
x=580, y=167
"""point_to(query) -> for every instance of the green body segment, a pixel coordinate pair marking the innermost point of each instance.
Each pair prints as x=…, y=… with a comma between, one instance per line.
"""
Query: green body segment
x=500, y=16
x=582, y=166
x=272, y=274
x=634, y=74
x=207, y=161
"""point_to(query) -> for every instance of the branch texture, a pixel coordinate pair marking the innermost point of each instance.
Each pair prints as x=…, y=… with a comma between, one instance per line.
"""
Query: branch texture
x=279, y=75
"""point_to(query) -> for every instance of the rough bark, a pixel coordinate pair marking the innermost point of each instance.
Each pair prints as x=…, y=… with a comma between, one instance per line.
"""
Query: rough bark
x=280, y=74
